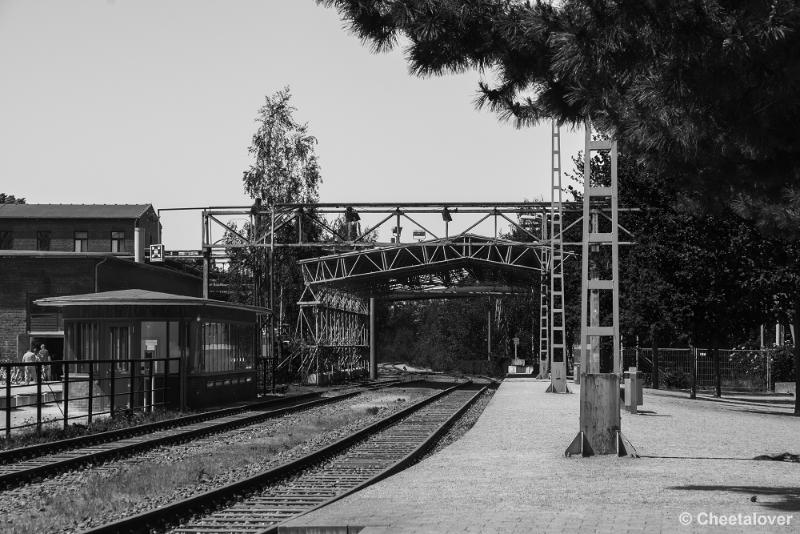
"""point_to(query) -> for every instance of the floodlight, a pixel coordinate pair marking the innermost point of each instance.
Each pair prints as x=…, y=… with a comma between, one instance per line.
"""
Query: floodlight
x=351, y=215
x=446, y=217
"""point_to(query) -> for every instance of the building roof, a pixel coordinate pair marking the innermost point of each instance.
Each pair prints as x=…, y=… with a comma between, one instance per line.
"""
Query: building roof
x=142, y=297
x=73, y=211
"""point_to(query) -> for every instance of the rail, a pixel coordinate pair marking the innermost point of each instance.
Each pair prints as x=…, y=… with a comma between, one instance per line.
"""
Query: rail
x=212, y=499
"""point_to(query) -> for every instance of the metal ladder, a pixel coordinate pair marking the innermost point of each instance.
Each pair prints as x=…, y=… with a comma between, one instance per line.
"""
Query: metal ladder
x=544, y=307
x=558, y=364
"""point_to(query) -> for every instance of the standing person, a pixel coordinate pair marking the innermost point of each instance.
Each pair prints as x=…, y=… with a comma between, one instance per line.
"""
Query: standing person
x=44, y=357
x=29, y=357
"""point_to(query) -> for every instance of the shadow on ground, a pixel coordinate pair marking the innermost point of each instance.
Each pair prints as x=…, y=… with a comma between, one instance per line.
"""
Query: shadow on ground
x=789, y=496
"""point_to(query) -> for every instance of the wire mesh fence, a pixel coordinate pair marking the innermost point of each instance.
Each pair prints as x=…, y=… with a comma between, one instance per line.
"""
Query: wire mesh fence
x=31, y=397
x=739, y=370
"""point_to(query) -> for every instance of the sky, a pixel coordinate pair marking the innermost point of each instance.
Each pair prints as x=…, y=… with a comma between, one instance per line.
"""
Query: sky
x=154, y=101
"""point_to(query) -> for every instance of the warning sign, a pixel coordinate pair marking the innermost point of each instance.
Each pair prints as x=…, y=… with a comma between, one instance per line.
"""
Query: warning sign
x=157, y=253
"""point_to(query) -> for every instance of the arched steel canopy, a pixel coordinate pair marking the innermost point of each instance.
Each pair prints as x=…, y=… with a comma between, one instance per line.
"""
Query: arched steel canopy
x=475, y=264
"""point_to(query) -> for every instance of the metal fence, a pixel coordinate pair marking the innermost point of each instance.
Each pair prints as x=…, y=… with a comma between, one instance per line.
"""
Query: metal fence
x=742, y=370
x=39, y=394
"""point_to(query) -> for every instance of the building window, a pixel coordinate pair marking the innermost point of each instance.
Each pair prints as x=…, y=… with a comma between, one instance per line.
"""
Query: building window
x=117, y=241
x=6, y=240
x=226, y=347
x=43, y=240
x=81, y=241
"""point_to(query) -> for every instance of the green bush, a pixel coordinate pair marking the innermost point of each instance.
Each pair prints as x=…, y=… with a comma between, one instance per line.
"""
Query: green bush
x=783, y=364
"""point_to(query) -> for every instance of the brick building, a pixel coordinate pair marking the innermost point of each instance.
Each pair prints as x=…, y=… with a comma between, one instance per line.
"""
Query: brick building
x=114, y=228
x=27, y=275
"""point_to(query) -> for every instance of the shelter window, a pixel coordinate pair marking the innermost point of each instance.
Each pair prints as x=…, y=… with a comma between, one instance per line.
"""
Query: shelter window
x=43, y=240
x=119, y=347
x=81, y=241
x=6, y=240
x=226, y=347
x=117, y=241
x=82, y=340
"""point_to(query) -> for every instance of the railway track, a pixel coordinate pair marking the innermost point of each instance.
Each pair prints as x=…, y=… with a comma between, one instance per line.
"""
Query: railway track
x=56, y=457
x=273, y=497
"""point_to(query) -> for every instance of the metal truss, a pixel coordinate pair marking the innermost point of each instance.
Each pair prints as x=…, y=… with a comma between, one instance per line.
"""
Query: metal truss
x=331, y=336
x=426, y=265
x=591, y=284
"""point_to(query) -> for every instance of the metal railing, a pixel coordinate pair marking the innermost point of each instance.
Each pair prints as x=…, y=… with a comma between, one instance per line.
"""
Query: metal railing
x=32, y=397
x=742, y=370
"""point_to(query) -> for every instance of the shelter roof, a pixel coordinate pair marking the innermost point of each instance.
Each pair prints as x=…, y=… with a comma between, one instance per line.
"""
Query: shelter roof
x=73, y=211
x=142, y=297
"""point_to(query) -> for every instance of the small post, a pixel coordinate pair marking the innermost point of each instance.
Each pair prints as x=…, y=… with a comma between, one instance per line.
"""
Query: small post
x=113, y=389
x=489, y=332
x=132, y=391
x=9, y=370
x=717, y=373
x=373, y=365
x=655, y=366
x=165, y=386
x=65, y=394
x=91, y=394
x=206, y=269
x=182, y=384
x=150, y=381
x=38, y=397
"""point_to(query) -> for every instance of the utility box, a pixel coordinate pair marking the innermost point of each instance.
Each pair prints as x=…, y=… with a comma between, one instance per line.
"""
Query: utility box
x=633, y=390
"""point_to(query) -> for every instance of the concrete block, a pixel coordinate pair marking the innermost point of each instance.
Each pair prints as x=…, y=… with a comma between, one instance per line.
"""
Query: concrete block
x=786, y=387
x=8, y=402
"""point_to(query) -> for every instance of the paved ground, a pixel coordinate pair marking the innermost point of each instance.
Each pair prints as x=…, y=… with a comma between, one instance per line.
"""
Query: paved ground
x=509, y=473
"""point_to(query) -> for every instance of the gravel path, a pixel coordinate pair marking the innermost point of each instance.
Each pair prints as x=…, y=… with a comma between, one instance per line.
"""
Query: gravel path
x=51, y=505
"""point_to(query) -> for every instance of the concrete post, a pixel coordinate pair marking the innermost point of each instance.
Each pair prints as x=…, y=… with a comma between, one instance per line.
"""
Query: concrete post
x=373, y=363
x=138, y=249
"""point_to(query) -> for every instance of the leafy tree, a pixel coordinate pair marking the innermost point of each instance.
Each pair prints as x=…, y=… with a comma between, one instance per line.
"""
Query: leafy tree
x=10, y=199
x=285, y=167
x=706, y=93
x=285, y=170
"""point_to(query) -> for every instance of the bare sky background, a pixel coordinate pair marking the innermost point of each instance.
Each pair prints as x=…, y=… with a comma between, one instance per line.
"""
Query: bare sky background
x=154, y=101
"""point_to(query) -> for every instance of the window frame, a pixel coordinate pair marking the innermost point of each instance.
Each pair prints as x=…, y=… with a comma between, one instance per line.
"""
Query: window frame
x=117, y=240
x=84, y=241
x=6, y=240
x=47, y=234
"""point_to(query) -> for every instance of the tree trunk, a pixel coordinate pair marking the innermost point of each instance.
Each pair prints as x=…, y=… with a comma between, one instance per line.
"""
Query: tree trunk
x=717, y=372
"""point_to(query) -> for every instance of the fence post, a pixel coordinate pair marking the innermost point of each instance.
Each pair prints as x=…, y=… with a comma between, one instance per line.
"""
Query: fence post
x=693, y=391
x=65, y=394
x=91, y=393
x=655, y=367
x=165, y=387
x=768, y=357
x=9, y=370
x=38, y=367
x=113, y=389
x=717, y=373
x=151, y=384
x=132, y=395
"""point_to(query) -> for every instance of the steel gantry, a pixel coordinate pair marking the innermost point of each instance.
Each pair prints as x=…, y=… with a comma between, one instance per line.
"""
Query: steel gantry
x=558, y=346
x=600, y=423
x=544, y=307
x=366, y=252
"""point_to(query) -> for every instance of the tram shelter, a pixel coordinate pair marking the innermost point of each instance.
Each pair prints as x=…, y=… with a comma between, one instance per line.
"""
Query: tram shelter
x=198, y=352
